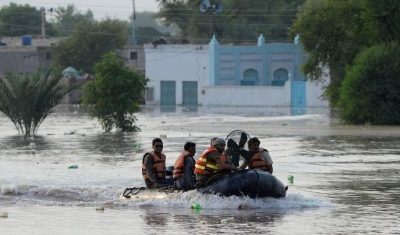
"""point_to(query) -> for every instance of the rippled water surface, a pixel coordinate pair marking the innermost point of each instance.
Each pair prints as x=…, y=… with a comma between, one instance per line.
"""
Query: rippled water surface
x=346, y=178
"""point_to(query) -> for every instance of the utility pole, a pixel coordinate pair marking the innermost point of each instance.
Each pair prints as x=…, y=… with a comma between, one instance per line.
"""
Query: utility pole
x=43, y=11
x=133, y=24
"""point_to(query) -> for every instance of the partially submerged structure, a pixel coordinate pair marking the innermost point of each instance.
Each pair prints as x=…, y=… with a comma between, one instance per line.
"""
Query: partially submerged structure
x=265, y=74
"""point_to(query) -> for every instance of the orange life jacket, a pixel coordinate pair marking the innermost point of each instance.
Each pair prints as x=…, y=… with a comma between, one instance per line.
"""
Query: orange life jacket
x=257, y=162
x=158, y=166
x=205, y=166
x=179, y=166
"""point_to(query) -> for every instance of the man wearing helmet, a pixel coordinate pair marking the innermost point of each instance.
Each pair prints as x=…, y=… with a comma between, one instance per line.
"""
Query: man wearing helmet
x=212, y=161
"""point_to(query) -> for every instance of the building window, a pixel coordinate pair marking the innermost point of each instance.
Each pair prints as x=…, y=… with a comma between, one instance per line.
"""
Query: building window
x=133, y=55
x=150, y=94
x=250, y=78
x=281, y=75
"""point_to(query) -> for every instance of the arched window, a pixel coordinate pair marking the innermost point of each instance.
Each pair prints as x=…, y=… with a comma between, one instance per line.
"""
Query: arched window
x=250, y=77
x=281, y=75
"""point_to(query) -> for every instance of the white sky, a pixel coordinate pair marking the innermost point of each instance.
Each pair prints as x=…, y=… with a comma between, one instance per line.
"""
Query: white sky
x=120, y=9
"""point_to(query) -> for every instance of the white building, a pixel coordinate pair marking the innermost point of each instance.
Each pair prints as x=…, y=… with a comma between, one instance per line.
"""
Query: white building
x=219, y=75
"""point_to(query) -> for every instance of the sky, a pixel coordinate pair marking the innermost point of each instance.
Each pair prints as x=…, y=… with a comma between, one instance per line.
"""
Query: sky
x=120, y=9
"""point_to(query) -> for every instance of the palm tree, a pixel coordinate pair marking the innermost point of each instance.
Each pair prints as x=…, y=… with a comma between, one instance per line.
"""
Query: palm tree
x=26, y=99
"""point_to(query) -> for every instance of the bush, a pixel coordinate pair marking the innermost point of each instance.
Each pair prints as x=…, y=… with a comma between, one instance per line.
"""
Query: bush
x=370, y=92
x=27, y=99
x=115, y=94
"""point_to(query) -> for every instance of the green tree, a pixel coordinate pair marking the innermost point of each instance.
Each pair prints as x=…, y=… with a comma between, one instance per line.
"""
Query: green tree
x=371, y=90
x=89, y=42
x=17, y=20
x=239, y=21
x=148, y=29
x=332, y=32
x=114, y=96
x=148, y=35
x=67, y=18
x=384, y=19
x=27, y=99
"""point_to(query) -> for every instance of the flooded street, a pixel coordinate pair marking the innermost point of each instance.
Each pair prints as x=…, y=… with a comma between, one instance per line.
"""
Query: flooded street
x=346, y=178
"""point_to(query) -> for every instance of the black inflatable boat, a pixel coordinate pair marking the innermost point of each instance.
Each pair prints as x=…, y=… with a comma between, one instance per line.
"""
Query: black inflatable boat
x=250, y=183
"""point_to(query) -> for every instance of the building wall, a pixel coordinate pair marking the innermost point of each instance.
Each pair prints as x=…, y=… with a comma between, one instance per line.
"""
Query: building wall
x=36, y=42
x=219, y=71
x=134, y=58
x=230, y=62
x=24, y=59
x=272, y=96
x=28, y=58
x=176, y=63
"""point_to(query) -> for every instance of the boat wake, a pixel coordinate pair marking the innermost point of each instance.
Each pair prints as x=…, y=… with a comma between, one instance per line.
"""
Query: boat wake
x=111, y=197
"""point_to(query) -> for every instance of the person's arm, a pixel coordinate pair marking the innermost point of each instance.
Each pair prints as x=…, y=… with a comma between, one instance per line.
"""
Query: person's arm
x=189, y=174
x=148, y=161
x=222, y=164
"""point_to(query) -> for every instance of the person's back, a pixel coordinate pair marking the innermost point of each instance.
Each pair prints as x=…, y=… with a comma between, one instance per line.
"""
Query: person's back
x=184, y=177
x=153, y=166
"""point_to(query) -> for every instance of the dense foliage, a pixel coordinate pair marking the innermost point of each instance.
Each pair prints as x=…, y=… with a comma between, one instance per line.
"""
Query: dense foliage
x=240, y=21
x=89, y=42
x=115, y=94
x=371, y=89
x=17, y=20
x=334, y=32
x=67, y=18
x=27, y=99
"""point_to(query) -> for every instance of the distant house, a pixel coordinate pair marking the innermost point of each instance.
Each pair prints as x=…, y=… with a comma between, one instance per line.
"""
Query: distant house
x=133, y=57
x=72, y=78
x=266, y=74
x=27, y=54
x=24, y=59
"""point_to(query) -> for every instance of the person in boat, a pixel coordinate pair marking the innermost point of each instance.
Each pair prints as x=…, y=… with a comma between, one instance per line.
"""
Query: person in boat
x=183, y=174
x=212, y=163
x=153, y=166
x=259, y=157
x=212, y=141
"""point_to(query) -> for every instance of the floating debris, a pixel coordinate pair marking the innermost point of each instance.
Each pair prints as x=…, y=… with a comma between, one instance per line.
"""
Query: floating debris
x=290, y=179
x=228, y=220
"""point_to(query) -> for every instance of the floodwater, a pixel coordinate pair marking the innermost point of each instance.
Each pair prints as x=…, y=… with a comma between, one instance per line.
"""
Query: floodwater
x=346, y=178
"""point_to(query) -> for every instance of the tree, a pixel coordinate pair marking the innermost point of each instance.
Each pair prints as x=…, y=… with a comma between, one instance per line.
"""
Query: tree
x=17, y=20
x=89, y=42
x=148, y=29
x=384, y=19
x=148, y=35
x=332, y=32
x=371, y=89
x=239, y=21
x=67, y=18
x=27, y=99
x=114, y=95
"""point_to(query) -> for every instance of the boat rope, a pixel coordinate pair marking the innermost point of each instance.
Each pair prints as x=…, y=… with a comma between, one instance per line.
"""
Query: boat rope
x=132, y=191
